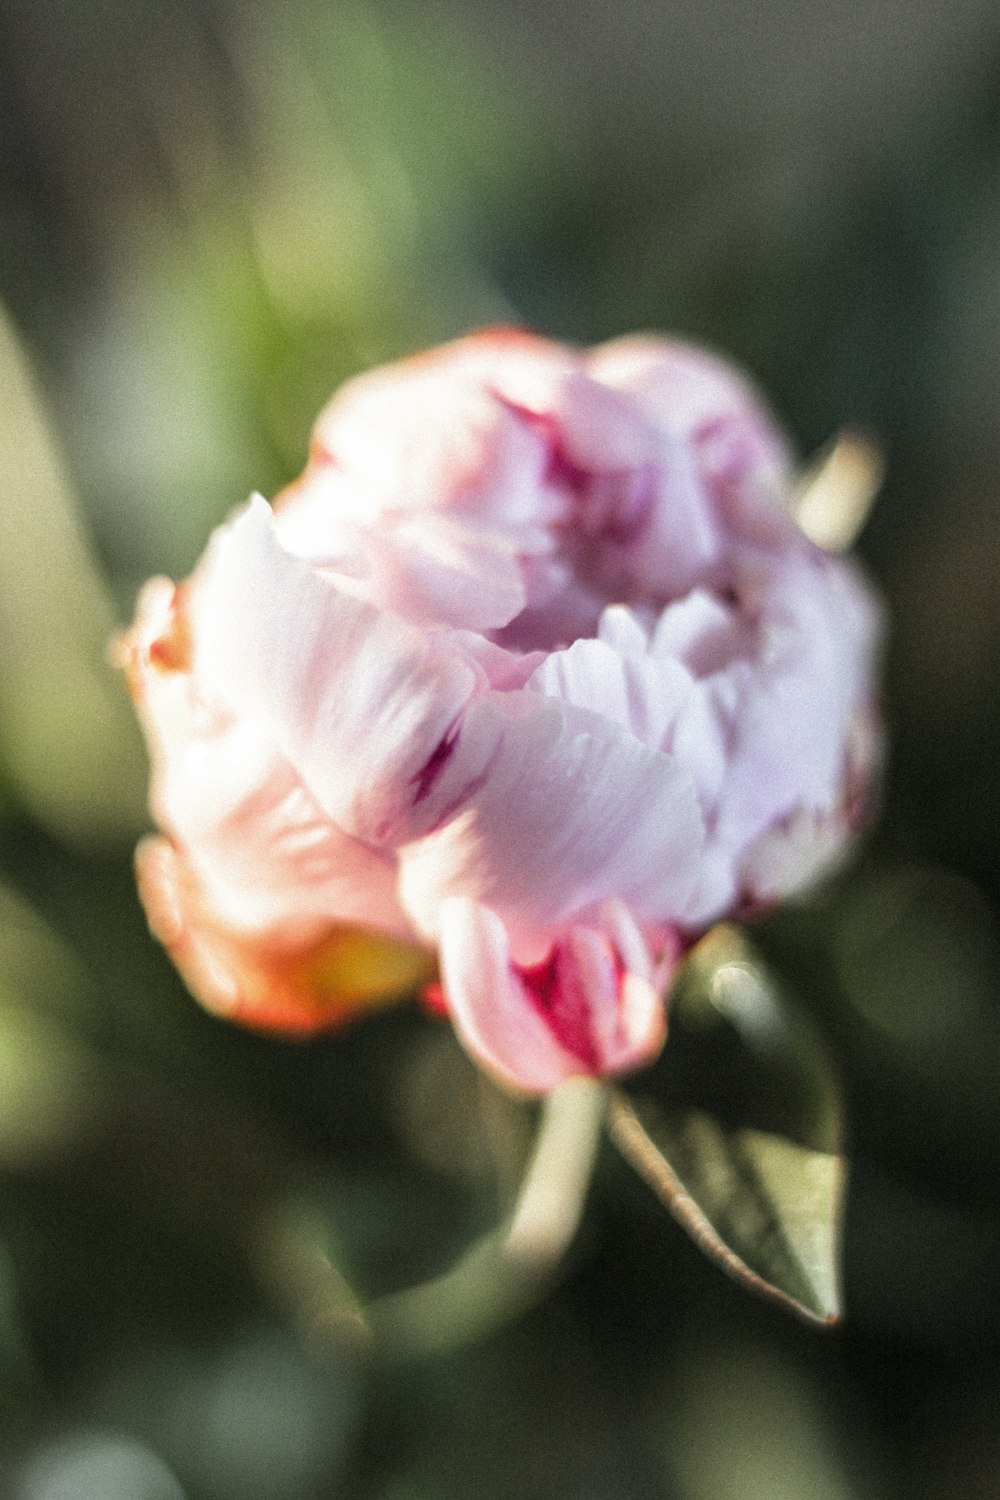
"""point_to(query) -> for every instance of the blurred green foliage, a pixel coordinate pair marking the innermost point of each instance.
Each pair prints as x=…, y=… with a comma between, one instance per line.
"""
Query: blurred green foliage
x=211, y=214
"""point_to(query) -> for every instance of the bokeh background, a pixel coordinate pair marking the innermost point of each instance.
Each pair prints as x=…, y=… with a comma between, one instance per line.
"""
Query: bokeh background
x=210, y=214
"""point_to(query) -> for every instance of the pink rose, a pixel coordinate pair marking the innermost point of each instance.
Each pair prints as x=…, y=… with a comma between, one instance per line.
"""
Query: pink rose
x=532, y=670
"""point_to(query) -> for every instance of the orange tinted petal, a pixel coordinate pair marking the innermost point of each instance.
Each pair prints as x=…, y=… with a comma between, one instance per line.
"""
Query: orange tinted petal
x=315, y=980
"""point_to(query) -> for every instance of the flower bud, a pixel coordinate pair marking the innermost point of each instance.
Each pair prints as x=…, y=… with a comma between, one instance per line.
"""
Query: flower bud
x=531, y=674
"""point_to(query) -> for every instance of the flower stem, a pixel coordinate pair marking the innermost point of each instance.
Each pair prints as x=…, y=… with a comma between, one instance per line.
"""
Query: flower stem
x=504, y=1271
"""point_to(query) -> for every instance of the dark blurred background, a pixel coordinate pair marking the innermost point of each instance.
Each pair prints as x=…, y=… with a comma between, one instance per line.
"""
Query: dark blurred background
x=210, y=214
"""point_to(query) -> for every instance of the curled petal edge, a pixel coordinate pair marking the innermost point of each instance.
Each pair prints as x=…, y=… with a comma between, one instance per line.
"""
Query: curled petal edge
x=592, y=1007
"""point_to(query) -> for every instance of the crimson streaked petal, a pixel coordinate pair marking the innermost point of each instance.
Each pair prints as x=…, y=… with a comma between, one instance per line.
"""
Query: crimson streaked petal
x=578, y=1011
x=489, y=1006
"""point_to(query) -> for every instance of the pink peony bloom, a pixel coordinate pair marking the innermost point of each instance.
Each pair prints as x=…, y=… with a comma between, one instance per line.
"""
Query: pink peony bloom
x=531, y=670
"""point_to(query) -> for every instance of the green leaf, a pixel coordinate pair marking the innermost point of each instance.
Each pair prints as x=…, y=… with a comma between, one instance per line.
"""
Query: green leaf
x=762, y=1207
x=737, y=1130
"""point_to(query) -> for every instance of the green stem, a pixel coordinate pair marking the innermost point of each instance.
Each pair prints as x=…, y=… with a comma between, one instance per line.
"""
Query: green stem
x=504, y=1271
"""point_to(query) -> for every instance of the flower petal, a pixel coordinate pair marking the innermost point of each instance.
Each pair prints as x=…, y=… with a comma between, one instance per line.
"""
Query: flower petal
x=357, y=700
x=579, y=1011
x=640, y=694
x=297, y=979
x=714, y=412
x=260, y=848
x=438, y=432
x=434, y=570
x=488, y=1004
x=631, y=1032
x=569, y=811
x=787, y=711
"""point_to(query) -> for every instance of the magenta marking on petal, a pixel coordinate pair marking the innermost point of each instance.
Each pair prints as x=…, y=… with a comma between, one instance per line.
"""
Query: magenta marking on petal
x=555, y=988
x=559, y=468
x=429, y=772
x=467, y=792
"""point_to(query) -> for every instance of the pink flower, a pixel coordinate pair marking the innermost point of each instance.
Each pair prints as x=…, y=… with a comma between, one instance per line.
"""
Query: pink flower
x=531, y=670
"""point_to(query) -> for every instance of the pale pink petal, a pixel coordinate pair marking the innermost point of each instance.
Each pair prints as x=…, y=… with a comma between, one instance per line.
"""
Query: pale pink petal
x=488, y=1004
x=703, y=631
x=270, y=855
x=682, y=541
x=570, y=811
x=793, y=854
x=324, y=515
x=422, y=434
x=429, y=567
x=504, y=670
x=624, y=630
x=701, y=740
x=599, y=431
x=638, y=496
x=638, y=521
x=643, y=685
x=435, y=571
x=358, y=701
x=809, y=843
x=786, y=712
x=630, y=1032
x=439, y=431
x=260, y=847
x=716, y=413
x=685, y=389
x=439, y=484
x=553, y=620
x=642, y=695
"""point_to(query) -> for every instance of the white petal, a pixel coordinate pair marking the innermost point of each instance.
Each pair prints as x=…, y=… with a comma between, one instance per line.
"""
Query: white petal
x=793, y=854
x=684, y=388
x=621, y=629
x=702, y=631
x=435, y=571
x=786, y=711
